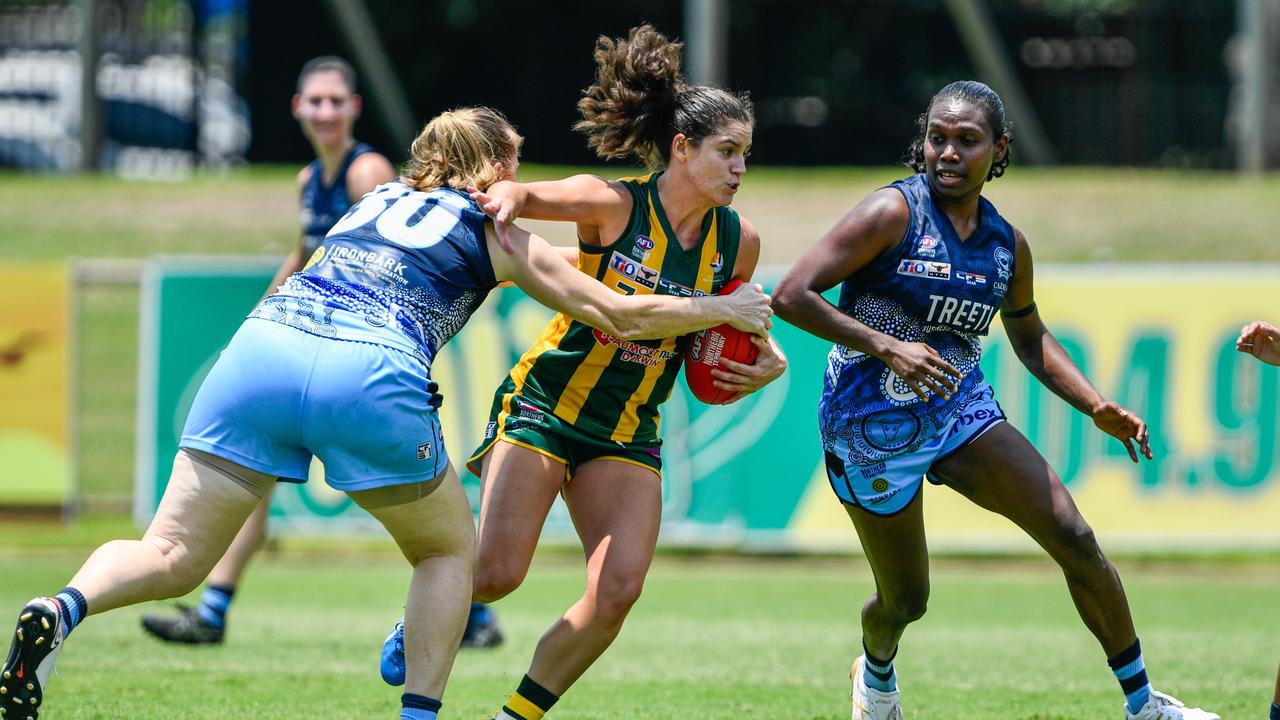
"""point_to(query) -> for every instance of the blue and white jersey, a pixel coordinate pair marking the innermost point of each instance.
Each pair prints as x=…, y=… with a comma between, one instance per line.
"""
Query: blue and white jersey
x=930, y=288
x=323, y=204
x=403, y=269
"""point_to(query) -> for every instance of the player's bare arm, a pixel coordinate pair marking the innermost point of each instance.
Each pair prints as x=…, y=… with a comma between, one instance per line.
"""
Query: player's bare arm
x=540, y=271
x=1042, y=354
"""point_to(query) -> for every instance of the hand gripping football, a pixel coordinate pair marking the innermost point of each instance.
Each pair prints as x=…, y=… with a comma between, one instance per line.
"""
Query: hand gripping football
x=704, y=349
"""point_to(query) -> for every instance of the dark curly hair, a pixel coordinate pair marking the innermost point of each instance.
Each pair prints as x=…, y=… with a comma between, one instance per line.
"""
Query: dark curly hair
x=639, y=101
x=969, y=92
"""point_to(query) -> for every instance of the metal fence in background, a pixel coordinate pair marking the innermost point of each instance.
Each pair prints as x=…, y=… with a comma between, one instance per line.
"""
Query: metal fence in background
x=150, y=92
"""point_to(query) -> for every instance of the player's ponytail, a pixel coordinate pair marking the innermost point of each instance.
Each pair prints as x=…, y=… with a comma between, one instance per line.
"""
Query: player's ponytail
x=639, y=101
x=458, y=148
x=968, y=92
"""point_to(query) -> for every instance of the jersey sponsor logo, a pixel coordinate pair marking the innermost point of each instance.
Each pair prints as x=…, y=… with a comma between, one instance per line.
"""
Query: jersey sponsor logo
x=873, y=470
x=531, y=413
x=971, y=278
x=961, y=314
x=1000, y=288
x=674, y=288
x=925, y=268
x=424, y=451
x=491, y=430
x=883, y=497
x=646, y=276
x=633, y=351
x=623, y=265
x=879, y=485
x=644, y=243
x=1004, y=262
x=981, y=415
x=890, y=430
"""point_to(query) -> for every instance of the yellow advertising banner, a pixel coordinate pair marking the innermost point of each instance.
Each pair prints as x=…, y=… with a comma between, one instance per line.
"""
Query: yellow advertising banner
x=35, y=465
x=1161, y=341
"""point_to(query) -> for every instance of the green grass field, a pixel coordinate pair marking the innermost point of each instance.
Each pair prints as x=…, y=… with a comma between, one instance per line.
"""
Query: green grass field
x=712, y=638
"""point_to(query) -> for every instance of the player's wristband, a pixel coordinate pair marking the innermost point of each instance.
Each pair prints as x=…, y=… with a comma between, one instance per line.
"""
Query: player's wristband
x=1015, y=314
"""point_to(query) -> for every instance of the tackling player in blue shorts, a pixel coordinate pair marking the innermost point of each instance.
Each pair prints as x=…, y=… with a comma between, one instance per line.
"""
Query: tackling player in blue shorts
x=337, y=363
x=926, y=264
x=1262, y=340
x=326, y=107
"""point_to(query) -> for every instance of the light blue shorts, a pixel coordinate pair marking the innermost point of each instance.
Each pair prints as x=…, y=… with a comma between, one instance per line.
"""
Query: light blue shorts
x=889, y=486
x=278, y=395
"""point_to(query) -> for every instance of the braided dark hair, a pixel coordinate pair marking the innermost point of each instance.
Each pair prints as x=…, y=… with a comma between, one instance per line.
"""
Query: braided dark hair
x=969, y=92
x=639, y=101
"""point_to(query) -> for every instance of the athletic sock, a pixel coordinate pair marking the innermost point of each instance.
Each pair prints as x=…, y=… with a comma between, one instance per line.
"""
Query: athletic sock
x=418, y=707
x=214, y=604
x=1275, y=711
x=73, y=608
x=879, y=674
x=530, y=701
x=1132, y=674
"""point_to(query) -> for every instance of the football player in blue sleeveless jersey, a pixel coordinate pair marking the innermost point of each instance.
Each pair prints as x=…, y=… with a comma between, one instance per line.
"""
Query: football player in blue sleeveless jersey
x=337, y=363
x=926, y=264
x=326, y=107
x=1262, y=340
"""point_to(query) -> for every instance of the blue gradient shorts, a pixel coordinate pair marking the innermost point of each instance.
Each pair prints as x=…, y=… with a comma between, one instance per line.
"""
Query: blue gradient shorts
x=278, y=395
x=889, y=486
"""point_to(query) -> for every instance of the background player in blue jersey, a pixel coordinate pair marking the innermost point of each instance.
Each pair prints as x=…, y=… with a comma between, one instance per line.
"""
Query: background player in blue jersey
x=337, y=364
x=925, y=264
x=326, y=107
x=1262, y=340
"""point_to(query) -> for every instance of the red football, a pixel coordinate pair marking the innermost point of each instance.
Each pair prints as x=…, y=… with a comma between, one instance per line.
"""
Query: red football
x=703, y=352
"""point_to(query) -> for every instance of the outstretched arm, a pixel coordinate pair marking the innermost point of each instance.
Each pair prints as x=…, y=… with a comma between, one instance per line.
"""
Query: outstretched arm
x=599, y=208
x=542, y=272
x=1045, y=357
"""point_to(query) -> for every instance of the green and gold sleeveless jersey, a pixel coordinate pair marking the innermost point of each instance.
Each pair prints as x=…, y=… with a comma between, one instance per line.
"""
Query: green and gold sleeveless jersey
x=605, y=385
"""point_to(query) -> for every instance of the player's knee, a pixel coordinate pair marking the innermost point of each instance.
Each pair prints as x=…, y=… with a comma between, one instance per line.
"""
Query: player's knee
x=616, y=593
x=494, y=581
x=910, y=606
x=181, y=571
x=1081, y=545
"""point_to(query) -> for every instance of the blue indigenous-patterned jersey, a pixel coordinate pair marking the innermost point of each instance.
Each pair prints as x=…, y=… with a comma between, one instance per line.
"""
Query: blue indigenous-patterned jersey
x=403, y=268
x=932, y=288
x=323, y=204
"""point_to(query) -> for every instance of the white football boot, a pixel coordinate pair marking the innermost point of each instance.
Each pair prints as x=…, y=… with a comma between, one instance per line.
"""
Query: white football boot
x=1164, y=707
x=36, y=644
x=869, y=703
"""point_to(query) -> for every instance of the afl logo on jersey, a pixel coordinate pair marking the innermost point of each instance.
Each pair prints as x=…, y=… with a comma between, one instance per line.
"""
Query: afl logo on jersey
x=644, y=243
x=927, y=246
x=1004, y=262
x=890, y=430
x=717, y=263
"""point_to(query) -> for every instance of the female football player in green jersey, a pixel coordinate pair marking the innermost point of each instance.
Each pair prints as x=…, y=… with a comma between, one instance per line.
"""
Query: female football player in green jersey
x=578, y=415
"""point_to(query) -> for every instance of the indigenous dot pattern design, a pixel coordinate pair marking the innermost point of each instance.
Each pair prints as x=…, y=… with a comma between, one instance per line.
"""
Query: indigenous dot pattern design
x=930, y=288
